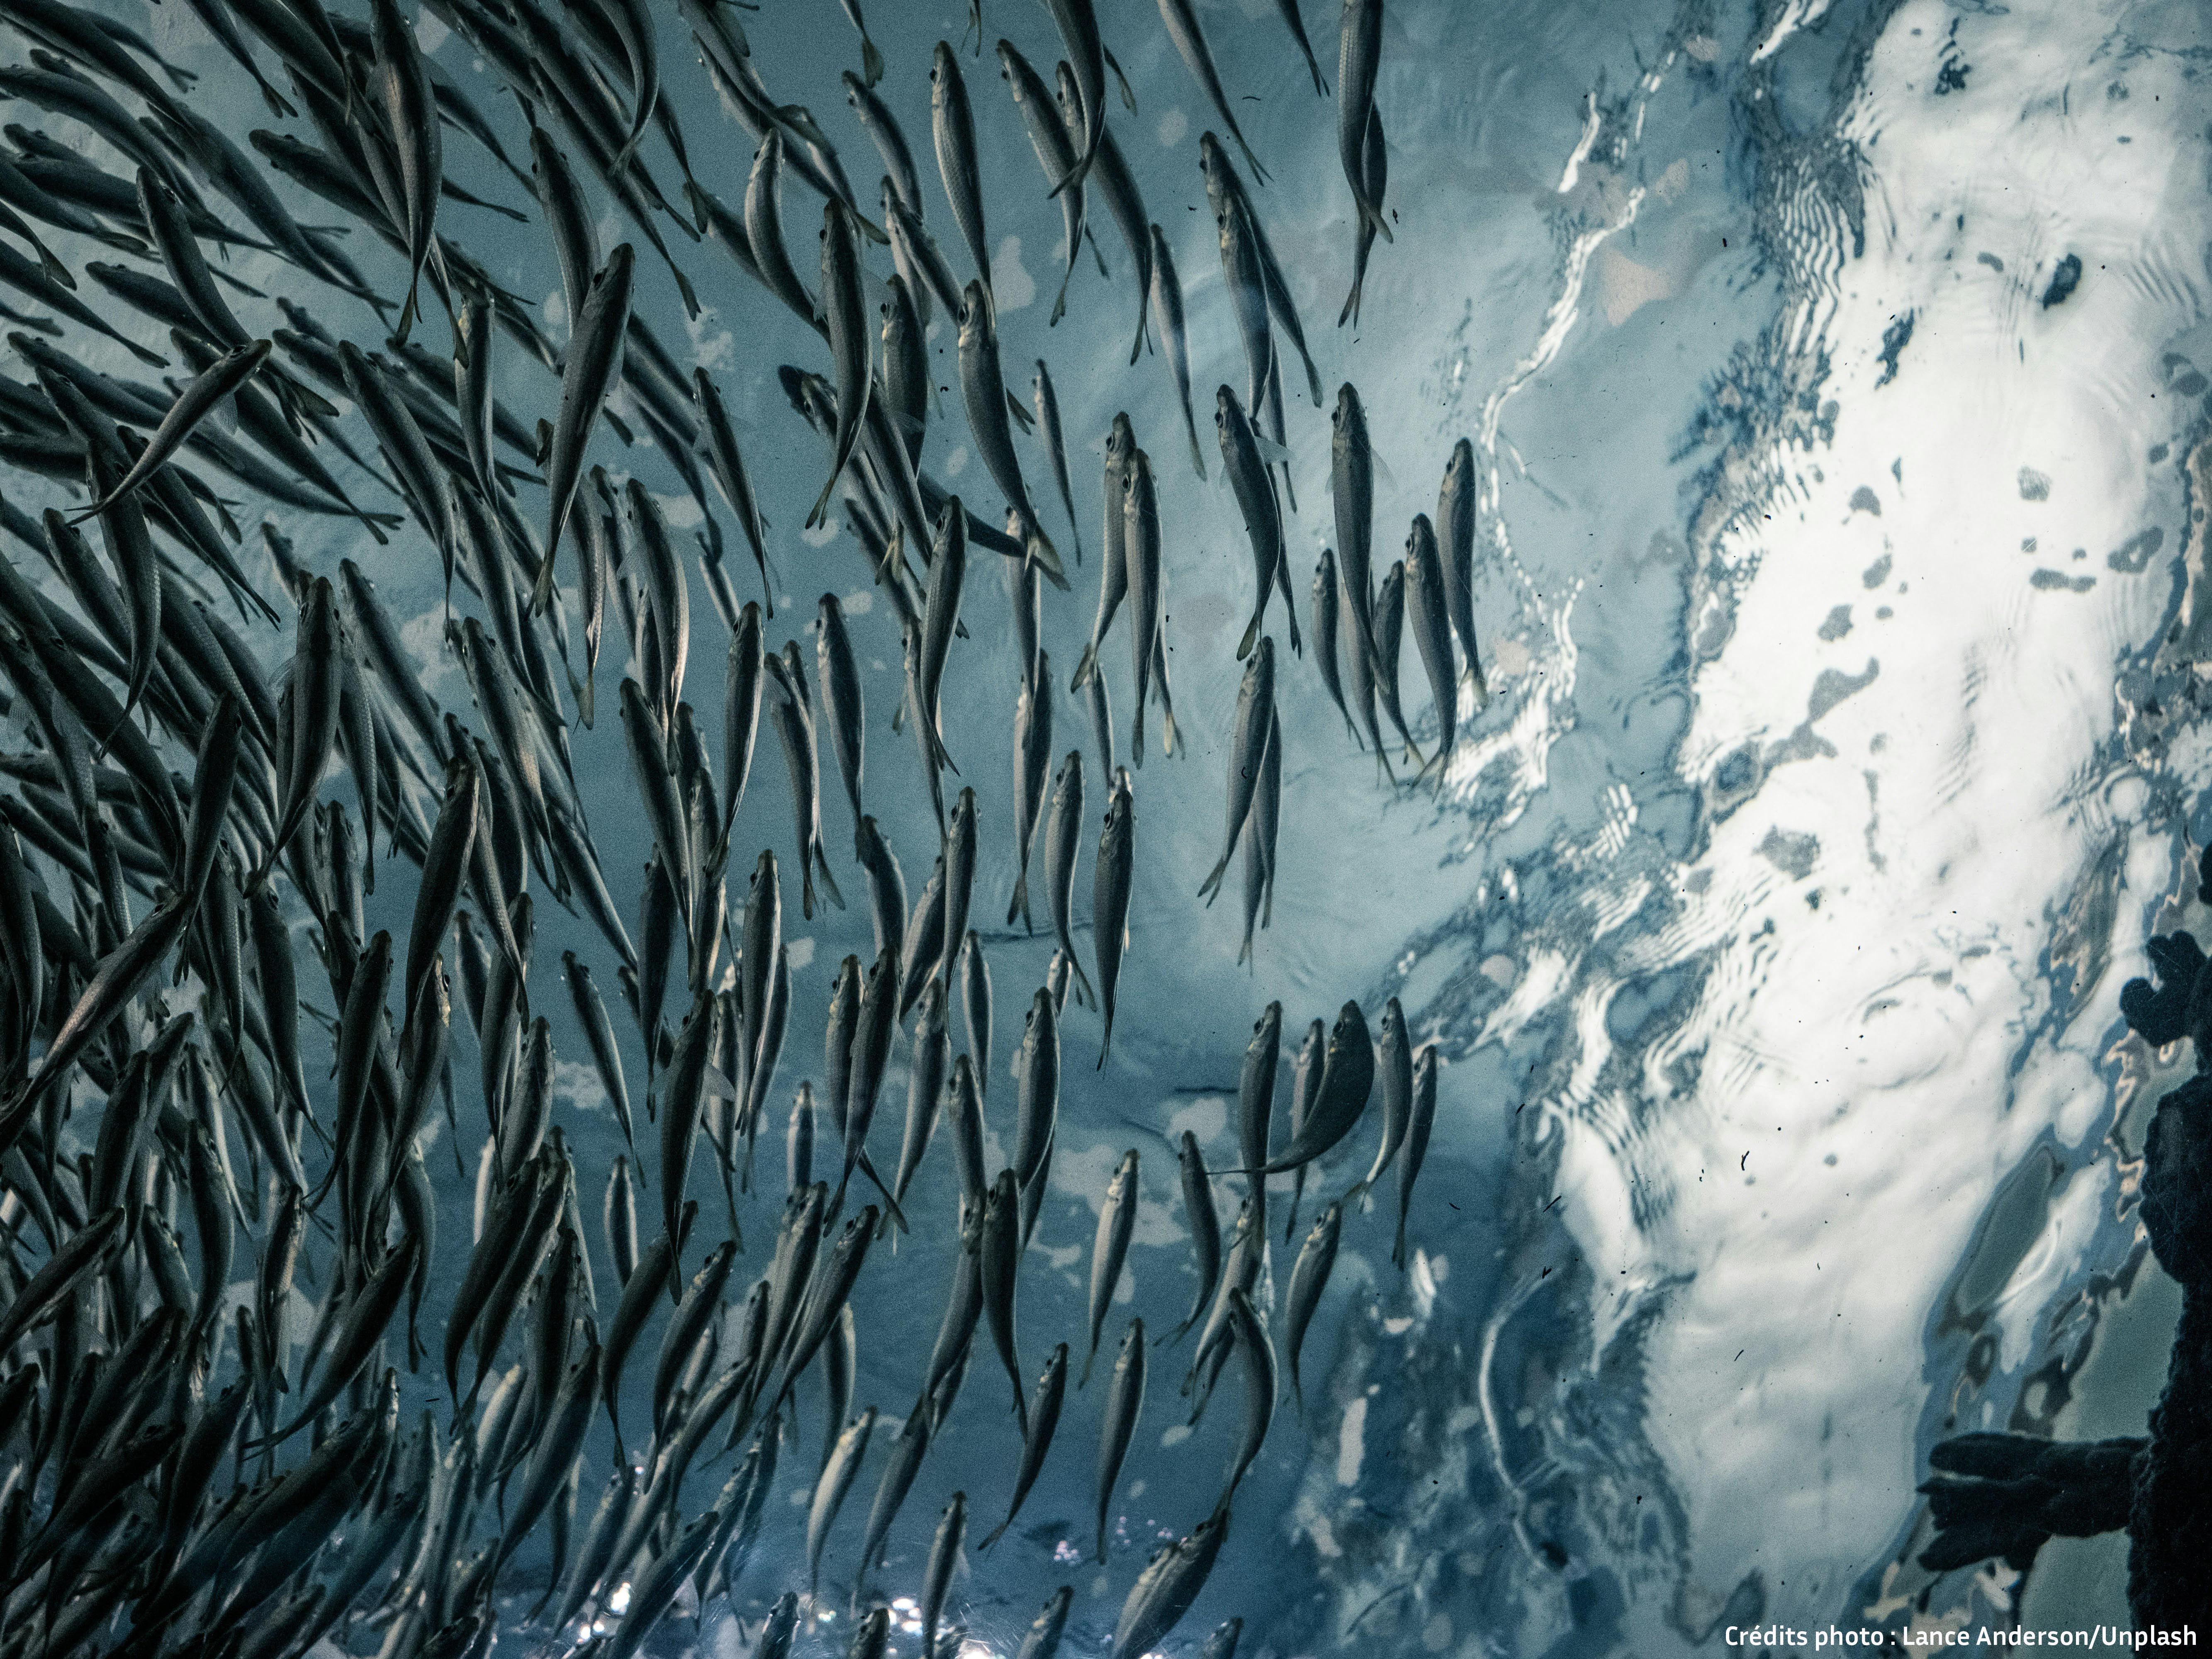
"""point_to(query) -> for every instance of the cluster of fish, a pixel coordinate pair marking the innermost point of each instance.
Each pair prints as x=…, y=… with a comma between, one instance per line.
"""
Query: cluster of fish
x=137, y=1371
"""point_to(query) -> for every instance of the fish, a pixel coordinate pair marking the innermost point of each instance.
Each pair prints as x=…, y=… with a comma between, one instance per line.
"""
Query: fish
x=409, y=109
x=1309, y=1278
x=974, y=974
x=1117, y=1427
x=1171, y=1582
x=937, y=1572
x=1252, y=1341
x=1063, y=845
x=1256, y=707
x=1352, y=484
x=961, y=850
x=1112, y=889
x=984, y=391
x=1043, y=1641
x=1347, y=1079
x=1141, y=556
x=892, y=1488
x=842, y=704
x=1297, y=27
x=920, y=263
x=1117, y=1221
x=1262, y=515
x=1395, y=1067
x=198, y=400
x=600, y=1036
x=727, y=466
x=1324, y=629
x=1079, y=110
x=882, y=129
x=1455, y=526
x=1389, y=621
x=886, y=883
x=1205, y=1229
x=835, y=1481
x=1168, y=312
x=930, y=1063
x=1001, y=1262
x=794, y=721
x=1377, y=158
x=1415, y=1148
x=952, y=132
x=1049, y=433
x=1039, y=109
x=590, y=370
x=1181, y=17
x=1260, y=838
x=963, y=1107
x=1044, y=1419
x=844, y=314
x=1359, y=53
x=763, y=227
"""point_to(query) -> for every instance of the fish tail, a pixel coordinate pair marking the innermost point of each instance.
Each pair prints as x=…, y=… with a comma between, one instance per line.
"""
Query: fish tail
x=1197, y=454
x=829, y=881
x=1085, y=665
x=1250, y=160
x=1083, y=980
x=1210, y=888
x=1398, y=1249
x=1020, y=906
x=995, y=1533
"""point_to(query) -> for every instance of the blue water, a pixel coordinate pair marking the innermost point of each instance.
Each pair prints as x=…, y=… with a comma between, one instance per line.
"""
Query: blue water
x=1786, y=1121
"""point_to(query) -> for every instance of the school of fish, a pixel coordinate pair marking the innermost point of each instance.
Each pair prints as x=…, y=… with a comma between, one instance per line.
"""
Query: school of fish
x=189, y=1470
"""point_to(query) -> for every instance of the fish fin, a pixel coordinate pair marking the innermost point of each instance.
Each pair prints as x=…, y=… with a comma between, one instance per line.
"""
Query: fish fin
x=871, y=62
x=1251, y=634
x=1128, y=98
x=1022, y=418
x=1085, y=665
x=829, y=881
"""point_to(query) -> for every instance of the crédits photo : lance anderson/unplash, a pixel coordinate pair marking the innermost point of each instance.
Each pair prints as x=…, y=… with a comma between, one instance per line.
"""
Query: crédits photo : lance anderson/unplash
x=1788, y=1638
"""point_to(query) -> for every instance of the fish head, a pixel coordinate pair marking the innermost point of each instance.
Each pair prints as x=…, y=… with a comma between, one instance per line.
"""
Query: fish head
x=944, y=71
x=974, y=317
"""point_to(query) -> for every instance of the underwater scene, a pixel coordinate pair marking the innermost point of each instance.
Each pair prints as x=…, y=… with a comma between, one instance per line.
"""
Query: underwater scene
x=1103, y=828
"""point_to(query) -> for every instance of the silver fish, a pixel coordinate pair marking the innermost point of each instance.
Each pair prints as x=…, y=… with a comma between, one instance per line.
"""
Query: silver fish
x=927, y=1070
x=829, y=1489
x=1324, y=628
x=952, y=128
x=1113, y=886
x=1167, y=312
x=1001, y=1263
x=974, y=974
x=1205, y=1228
x=892, y=1488
x=886, y=884
x=882, y=127
x=961, y=850
x=1181, y=17
x=1113, y=571
x=842, y=705
x=937, y=1573
x=1376, y=156
x=1140, y=510
x=591, y=369
x=983, y=390
x=1125, y=1403
x=1347, y=1078
x=1419, y=1122
x=1257, y=502
x=1063, y=846
x=1390, y=635
x=1117, y=183
x=1164, y=1592
x=1455, y=511
x=844, y=312
x=1359, y=54
x=1056, y=152
x=1044, y=1419
x=1043, y=1641
x=1117, y=1221
x=1309, y=1278
x=1251, y=1336
x=1256, y=707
